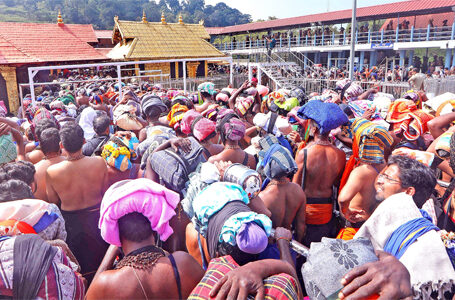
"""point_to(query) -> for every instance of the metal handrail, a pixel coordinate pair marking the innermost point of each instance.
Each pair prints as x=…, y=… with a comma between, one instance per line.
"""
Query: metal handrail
x=343, y=39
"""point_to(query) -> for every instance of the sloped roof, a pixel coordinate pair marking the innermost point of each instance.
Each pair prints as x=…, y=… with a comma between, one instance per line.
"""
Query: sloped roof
x=405, y=8
x=147, y=40
x=35, y=42
x=103, y=34
x=422, y=21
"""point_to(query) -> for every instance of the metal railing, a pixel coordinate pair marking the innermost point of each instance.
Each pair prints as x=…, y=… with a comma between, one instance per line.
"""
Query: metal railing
x=342, y=39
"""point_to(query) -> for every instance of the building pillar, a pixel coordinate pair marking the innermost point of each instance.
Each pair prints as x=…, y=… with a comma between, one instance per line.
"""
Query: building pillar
x=259, y=75
x=206, y=68
x=402, y=57
x=176, y=70
x=9, y=74
x=316, y=57
x=305, y=61
x=250, y=72
x=448, y=58
x=329, y=59
x=411, y=57
x=373, y=58
x=453, y=61
x=340, y=55
x=362, y=58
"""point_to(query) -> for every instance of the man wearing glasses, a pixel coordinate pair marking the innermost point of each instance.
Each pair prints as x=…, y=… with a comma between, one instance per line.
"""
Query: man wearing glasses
x=399, y=227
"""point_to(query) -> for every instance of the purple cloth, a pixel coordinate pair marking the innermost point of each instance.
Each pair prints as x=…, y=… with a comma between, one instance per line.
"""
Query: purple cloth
x=251, y=238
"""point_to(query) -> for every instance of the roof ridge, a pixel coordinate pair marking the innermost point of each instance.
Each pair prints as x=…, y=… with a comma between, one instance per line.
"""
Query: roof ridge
x=18, y=48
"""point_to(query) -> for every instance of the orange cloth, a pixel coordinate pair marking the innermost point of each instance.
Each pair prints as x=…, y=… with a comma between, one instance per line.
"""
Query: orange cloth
x=176, y=114
x=318, y=214
x=13, y=227
x=351, y=164
x=347, y=234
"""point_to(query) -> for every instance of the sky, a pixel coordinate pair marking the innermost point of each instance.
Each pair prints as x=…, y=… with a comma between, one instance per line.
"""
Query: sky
x=262, y=9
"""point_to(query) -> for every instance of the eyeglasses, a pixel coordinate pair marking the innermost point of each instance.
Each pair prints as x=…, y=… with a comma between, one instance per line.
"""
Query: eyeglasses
x=388, y=178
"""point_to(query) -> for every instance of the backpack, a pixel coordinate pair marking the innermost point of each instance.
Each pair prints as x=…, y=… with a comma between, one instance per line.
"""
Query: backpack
x=174, y=167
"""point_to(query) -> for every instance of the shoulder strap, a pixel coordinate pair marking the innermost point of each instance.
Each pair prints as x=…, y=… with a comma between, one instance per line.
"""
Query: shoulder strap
x=183, y=162
x=176, y=274
x=98, y=148
x=245, y=160
x=206, y=152
x=272, y=122
x=304, y=168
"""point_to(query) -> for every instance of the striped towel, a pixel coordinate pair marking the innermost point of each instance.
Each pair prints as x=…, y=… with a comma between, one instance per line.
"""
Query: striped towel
x=372, y=139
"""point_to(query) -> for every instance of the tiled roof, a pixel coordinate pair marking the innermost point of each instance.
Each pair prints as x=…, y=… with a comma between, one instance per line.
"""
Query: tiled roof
x=103, y=34
x=378, y=11
x=33, y=42
x=422, y=21
x=161, y=41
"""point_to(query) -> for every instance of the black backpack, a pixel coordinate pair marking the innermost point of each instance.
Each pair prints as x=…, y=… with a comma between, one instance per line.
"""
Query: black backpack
x=174, y=167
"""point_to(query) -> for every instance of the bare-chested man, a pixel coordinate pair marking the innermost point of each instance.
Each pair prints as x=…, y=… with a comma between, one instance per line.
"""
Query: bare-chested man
x=82, y=98
x=77, y=185
x=147, y=271
x=357, y=195
x=285, y=199
x=321, y=165
x=50, y=145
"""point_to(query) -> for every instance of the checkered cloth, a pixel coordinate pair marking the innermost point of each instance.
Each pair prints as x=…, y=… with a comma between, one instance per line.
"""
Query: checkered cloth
x=280, y=286
x=8, y=151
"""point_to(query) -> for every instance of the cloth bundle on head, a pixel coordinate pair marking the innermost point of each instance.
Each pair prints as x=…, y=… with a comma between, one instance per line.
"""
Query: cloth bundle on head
x=252, y=91
x=203, y=128
x=143, y=196
x=243, y=104
x=213, y=198
x=327, y=116
x=176, y=115
x=415, y=96
x=222, y=97
x=207, y=87
x=407, y=119
x=262, y=90
x=125, y=117
x=382, y=105
x=359, y=107
x=372, y=140
x=67, y=99
x=188, y=119
x=278, y=162
x=443, y=145
x=32, y=216
x=248, y=230
x=212, y=112
x=120, y=151
x=281, y=126
x=421, y=156
x=273, y=98
x=233, y=130
x=287, y=104
x=349, y=89
x=152, y=101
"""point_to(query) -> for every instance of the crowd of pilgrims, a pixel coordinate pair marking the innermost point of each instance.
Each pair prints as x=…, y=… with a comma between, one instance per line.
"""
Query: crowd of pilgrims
x=112, y=190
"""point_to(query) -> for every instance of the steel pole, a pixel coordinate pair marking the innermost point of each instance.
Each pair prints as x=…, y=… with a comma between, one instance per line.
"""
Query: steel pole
x=353, y=41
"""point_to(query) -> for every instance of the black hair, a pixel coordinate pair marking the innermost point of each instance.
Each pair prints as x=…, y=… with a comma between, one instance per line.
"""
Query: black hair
x=206, y=95
x=42, y=125
x=21, y=170
x=153, y=113
x=238, y=255
x=101, y=124
x=50, y=141
x=14, y=189
x=415, y=174
x=134, y=227
x=72, y=137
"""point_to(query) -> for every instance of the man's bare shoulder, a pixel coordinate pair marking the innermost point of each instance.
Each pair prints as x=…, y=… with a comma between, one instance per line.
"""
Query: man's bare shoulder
x=365, y=170
x=108, y=283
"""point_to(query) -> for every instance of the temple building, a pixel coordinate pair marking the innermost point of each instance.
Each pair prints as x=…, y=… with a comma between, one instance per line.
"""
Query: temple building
x=146, y=41
x=24, y=45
